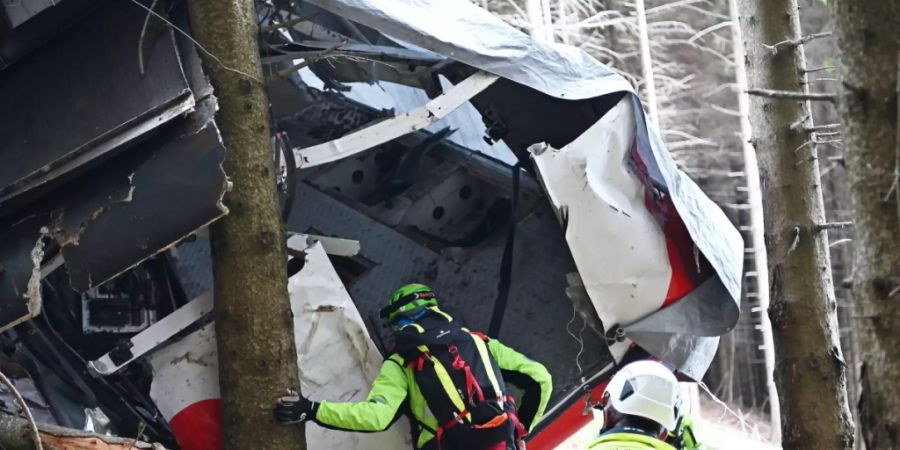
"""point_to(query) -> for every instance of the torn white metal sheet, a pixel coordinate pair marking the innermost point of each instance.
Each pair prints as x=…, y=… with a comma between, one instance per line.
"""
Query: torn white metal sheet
x=596, y=197
x=621, y=250
x=474, y=36
x=337, y=358
x=390, y=129
x=185, y=389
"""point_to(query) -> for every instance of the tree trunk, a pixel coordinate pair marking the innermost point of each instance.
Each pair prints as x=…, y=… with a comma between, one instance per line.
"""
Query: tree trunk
x=562, y=19
x=810, y=372
x=254, y=330
x=647, y=63
x=869, y=44
x=757, y=223
x=16, y=434
x=540, y=26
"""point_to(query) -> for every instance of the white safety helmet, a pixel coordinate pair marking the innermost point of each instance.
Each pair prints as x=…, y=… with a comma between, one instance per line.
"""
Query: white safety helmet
x=645, y=389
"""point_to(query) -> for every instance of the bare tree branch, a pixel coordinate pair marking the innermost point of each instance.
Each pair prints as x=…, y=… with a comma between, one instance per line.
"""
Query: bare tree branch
x=789, y=95
x=830, y=126
x=708, y=30
x=832, y=226
x=800, y=122
x=726, y=111
x=820, y=69
x=796, y=42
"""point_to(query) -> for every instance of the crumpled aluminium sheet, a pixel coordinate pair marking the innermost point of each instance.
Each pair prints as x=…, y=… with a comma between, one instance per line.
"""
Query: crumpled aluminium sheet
x=626, y=277
x=464, y=32
x=338, y=362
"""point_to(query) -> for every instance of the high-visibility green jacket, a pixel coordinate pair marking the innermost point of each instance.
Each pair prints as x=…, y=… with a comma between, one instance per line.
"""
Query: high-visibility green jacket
x=688, y=438
x=395, y=384
x=628, y=441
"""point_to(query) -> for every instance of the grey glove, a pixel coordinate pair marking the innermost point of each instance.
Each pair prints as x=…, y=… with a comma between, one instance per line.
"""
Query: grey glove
x=295, y=408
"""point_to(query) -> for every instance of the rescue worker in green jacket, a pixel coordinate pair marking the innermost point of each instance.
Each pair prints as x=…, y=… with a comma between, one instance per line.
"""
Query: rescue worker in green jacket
x=640, y=409
x=451, y=381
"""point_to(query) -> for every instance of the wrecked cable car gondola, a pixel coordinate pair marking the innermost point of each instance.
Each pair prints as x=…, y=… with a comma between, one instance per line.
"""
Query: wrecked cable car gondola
x=448, y=151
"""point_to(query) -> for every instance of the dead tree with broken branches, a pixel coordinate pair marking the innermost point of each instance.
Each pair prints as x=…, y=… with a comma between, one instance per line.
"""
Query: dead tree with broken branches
x=811, y=373
x=254, y=326
x=869, y=48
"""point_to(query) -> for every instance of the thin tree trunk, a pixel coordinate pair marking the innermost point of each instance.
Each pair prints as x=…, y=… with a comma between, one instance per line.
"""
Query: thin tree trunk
x=810, y=372
x=257, y=358
x=547, y=13
x=869, y=45
x=538, y=12
x=647, y=62
x=562, y=18
x=757, y=223
x=535, y=11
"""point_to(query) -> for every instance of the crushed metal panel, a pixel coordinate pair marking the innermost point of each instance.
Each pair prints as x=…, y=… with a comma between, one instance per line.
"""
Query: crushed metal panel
x=623, y=253
x=337, y=358
x=617, y=244
x=471, y=35
x=474, y=36
x=695, y=228
x=389, y=129
x=55, y=121
x=147, y=201
x=470, y=129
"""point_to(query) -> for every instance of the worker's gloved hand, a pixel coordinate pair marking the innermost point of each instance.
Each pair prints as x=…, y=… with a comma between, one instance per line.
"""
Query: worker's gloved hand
x=295, y=408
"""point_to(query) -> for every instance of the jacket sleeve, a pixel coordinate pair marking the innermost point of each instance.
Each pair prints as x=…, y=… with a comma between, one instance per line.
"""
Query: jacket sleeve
x=380, y=408
x=527, y=374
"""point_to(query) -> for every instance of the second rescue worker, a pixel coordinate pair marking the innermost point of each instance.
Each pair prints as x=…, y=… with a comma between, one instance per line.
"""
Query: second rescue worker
x=454, y=380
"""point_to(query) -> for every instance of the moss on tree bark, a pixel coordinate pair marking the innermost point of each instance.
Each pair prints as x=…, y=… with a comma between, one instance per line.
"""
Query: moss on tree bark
x=810, y=370
x=869, y=41
x=254, y=327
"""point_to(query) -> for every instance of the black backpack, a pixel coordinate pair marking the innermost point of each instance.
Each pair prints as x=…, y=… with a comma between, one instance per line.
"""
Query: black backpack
x=461, y=383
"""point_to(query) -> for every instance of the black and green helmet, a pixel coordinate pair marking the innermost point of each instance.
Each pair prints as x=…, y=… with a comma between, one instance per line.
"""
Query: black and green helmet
x=407, y=301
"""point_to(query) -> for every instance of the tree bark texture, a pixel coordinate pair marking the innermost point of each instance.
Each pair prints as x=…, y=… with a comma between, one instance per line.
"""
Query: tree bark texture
x=810, y=369
x=869, y=40
x=16, y=434
x=757, y=223
x=647, y=62
x=254, y=328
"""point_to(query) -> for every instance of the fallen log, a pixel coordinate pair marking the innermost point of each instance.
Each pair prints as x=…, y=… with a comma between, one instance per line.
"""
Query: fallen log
x=16, y=434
